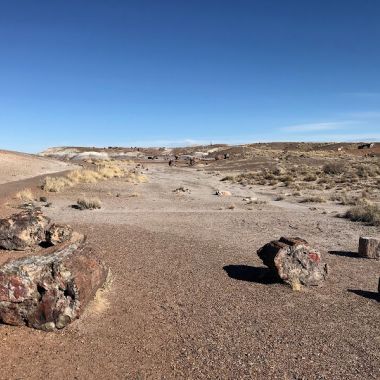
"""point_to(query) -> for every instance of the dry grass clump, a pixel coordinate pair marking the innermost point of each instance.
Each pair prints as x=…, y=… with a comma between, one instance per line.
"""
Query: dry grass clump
x=89, y=203
x=313, y=199
x=56, y=184
x=136, y=177
x=367, y=213
x=334, y=168
x=84, y=176
x=103, y=171
x=25, y=195
x=107, y=169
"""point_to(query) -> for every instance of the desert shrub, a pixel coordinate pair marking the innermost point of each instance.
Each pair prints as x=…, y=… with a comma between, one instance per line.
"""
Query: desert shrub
x=25, y=195
x=313, y=199
x=367, y=213
x=334, y=168
x=310, y=178
x=89, y=203
x=228, y=178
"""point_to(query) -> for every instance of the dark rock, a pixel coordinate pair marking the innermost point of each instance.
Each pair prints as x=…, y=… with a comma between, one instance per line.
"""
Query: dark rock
x=58, y=233
x=294, y=261
x=369, y=247
x=43, y=199
x=50, y=291
x=23, y=230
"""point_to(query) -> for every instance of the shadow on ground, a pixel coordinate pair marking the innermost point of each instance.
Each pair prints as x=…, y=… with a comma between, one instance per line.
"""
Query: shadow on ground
x=366, y=294
x=259, y=275
x=354, y=255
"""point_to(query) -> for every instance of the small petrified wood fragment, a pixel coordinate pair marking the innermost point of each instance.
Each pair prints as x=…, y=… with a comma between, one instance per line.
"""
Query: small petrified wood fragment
x=369, y=247
x=58, y=233
x=49, y=291
x=294, y=261
x=23, y=230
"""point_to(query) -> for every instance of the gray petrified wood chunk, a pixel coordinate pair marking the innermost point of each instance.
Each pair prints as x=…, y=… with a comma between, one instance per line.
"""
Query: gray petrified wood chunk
x=369, y=247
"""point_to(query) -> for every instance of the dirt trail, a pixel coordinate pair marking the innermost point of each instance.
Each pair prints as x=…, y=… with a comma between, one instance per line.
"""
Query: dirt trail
x=188, y=299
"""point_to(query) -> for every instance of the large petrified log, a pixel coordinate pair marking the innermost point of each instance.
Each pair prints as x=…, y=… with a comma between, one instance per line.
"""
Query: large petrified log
x=369, y=247
x=23, y=230
x=294, y=261
x=50, y=291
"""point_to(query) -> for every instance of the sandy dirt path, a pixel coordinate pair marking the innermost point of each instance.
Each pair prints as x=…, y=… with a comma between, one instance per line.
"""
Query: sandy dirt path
x=188, y=298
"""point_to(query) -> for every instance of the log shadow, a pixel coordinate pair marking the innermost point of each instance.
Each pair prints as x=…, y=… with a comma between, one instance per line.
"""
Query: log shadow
x=351, y=254
x=366, y=294
x=260, y=275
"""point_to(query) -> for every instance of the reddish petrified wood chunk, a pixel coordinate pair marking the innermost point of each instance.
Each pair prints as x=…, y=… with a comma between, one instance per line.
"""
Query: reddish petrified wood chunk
x=50, y=291
x=294, y=261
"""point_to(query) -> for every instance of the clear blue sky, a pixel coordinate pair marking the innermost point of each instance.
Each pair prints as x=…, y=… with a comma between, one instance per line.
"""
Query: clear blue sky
x=172, y=72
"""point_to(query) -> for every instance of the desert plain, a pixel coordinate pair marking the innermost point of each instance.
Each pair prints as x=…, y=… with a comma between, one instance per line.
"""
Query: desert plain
x=187, y=297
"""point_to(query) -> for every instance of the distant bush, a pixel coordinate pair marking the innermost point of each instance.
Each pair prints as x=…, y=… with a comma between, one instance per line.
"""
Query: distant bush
x=315, y=199
x=334, y=168
x=367, y=213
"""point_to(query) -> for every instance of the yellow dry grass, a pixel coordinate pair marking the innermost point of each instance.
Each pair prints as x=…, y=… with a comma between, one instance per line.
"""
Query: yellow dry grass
x=25, y=195
x=56, y=184
x=84, y=176
x=104, y=170
x=136, y=178
x=100, y=303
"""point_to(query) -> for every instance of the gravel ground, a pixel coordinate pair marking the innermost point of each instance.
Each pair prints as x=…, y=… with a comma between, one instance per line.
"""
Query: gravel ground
x=189, y=297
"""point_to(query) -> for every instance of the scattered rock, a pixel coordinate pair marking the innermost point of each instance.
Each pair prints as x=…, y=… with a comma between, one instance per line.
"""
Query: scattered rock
x=58, y=233
x=224, y=193
x=294, y=261
x=181, y=190
x=369, y=247
x=50, y=291
x=23, y=230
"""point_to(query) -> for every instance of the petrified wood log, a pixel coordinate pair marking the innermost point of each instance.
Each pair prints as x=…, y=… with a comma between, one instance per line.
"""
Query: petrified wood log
x=294, y=261
x=50, y=291
x=369, y=247
x=23, y=230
